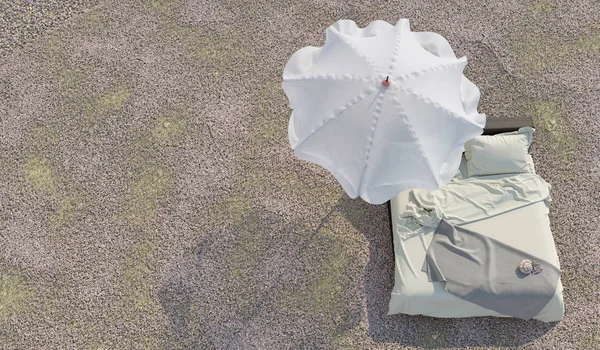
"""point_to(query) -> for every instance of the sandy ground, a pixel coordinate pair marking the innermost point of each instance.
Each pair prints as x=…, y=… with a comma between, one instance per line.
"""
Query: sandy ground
x=149, y=198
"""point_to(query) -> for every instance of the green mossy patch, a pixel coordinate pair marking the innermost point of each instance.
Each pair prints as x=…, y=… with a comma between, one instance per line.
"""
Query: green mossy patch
x=75, y=91
x=235, y=206
x=250, y=248
x=542, y=7
x=241, y=200
x=43, y=137
x=188, y=328
x=67, y=209
x=139, y=291
x=110, y=101
x=167, y=129
x=266, y=135
x=535, y=54
x=41, y=174
x=503, y=338
x=13, y=295
x=161, y=8
x=548, y=116
x=213, y=51
x=216, y=52
x=592, y=340
x=71, y=81
x=66, y=205
x=151, y=185
x=268, y=128
x=80, y=96
x=588, y=43
x=152, y=182
x=99, y=347
x=557, y=135
x=430, y=336
x=53, y=50
x=322, y=296
x=44, y=177
x=539, y=51
x=96, y=21
x=346, y=342
x=311, y=189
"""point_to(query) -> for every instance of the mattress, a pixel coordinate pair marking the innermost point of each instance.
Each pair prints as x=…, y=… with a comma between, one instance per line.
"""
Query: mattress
x=526, y=228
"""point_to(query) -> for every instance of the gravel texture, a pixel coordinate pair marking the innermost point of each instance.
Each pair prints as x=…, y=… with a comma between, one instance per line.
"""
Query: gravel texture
x=149, y=198
x=21, y=21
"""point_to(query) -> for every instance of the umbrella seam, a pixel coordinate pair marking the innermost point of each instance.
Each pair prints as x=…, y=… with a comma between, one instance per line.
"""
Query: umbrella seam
x=328, y=77
x=435, y=104
x=376, y=113
x=361, y=54
x=327, y=120
x=397, y=43
x=438, y=67
x=417, y=142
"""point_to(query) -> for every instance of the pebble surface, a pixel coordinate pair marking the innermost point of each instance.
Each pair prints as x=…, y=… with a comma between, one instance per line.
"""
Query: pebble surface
x=21, y=21
x=149, y=198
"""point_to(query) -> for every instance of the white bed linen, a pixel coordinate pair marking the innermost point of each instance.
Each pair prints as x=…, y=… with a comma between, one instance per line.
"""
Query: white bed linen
x=526, y=228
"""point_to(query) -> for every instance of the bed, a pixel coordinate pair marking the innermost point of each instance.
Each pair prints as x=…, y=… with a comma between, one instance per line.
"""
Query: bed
x=526, y=227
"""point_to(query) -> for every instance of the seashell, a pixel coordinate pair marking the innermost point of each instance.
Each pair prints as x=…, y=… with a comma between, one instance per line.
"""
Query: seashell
x=526, y=266
x=536, y=267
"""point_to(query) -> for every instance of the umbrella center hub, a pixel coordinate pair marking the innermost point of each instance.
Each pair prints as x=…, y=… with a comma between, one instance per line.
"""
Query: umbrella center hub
x=386, y=82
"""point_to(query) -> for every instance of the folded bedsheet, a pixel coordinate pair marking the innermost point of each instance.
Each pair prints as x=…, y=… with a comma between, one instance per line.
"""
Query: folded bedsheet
x=473, y=199
x=486, y=272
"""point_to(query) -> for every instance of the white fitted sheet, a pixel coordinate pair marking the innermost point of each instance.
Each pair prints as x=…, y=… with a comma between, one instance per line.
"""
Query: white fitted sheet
x=526, y=228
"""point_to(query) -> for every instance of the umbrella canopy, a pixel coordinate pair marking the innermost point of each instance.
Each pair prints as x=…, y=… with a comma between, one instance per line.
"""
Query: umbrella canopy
x=382, y=108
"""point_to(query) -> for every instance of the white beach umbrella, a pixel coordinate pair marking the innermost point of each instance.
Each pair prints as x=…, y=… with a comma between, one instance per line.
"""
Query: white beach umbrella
x=382, y=108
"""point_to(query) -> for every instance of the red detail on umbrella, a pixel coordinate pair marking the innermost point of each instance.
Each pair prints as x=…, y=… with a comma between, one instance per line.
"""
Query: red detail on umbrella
x=386, y=82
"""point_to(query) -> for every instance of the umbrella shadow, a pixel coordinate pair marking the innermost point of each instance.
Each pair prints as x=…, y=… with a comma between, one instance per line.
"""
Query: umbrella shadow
x=422, y=331
x=242, y=284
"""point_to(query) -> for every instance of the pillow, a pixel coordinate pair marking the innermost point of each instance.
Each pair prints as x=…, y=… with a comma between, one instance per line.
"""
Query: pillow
x=530, y=162
x=499, y=154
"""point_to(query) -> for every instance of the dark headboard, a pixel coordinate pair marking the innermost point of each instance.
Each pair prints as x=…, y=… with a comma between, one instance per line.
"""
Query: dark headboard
x=499, y=125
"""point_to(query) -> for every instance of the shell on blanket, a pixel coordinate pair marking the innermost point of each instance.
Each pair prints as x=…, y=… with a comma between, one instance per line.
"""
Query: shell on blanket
x=526, y=266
